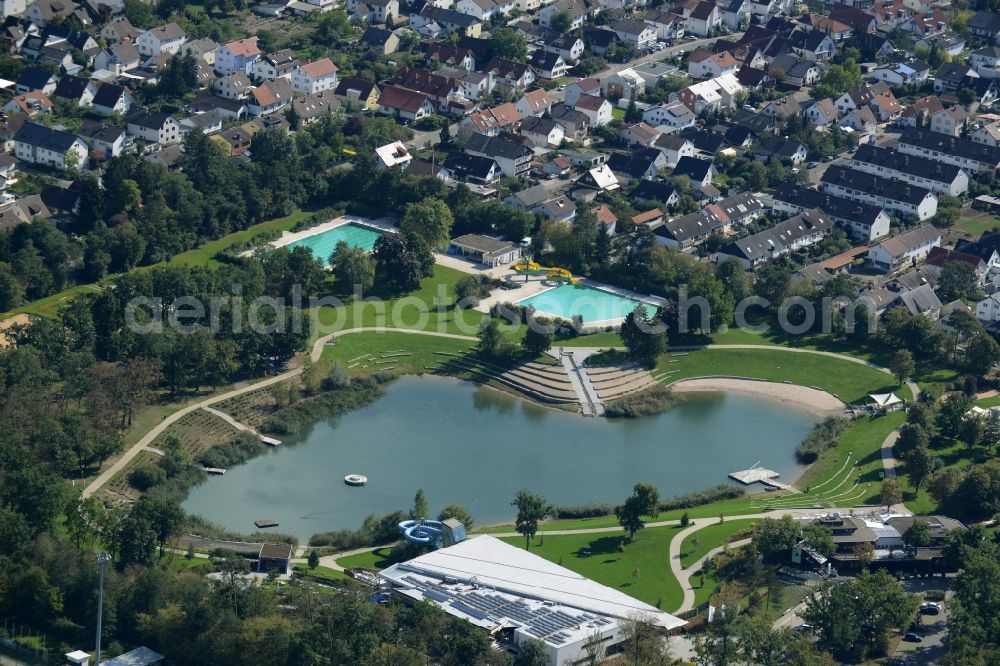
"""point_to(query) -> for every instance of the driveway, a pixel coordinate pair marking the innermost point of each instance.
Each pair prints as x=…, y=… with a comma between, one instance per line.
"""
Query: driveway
x=934, y=628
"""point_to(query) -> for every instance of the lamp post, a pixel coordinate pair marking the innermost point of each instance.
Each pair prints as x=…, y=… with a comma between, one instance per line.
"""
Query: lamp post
x=102, y=559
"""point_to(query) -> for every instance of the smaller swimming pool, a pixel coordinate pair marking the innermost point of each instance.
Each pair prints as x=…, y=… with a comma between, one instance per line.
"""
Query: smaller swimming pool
x=323, y=244
x=592, y=304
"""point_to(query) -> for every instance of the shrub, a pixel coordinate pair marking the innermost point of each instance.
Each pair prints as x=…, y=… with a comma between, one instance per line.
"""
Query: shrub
x=723, y=491
x=585, y=511
x=360, y=392
x=144, y=477
x=338, y=377
x=824, y=436
x=658, y=398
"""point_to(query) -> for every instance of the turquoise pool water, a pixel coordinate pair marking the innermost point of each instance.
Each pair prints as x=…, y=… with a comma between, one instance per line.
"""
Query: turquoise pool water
x=591, y=304
x=323, y=244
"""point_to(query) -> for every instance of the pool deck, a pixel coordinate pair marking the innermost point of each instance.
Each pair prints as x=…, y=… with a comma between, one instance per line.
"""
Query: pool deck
x=537, y=285
x=288, y=237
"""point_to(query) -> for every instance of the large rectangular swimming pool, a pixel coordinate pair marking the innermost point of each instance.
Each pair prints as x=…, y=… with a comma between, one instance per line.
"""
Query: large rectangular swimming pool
x=323, y=244
x=592, y=304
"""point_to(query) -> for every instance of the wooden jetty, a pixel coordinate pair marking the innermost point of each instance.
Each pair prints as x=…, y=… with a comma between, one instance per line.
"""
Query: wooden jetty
x=761, y=475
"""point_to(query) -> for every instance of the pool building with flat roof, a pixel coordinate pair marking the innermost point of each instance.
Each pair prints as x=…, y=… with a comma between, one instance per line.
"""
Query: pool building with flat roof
x=516, y=596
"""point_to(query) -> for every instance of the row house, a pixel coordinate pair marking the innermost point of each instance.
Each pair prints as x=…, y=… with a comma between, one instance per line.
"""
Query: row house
x=37, y=144
x=863, y=222
x=798, y=232
x=938, y=177
x=905, y=250
x=969, y=155
x=894, y=196
x=687, y=232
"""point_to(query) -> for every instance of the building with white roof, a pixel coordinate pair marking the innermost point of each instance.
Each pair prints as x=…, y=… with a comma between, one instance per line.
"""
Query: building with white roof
x=514, y=594
x=392, y=155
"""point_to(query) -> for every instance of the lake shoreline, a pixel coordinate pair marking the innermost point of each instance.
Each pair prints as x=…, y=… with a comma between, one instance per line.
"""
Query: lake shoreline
x=815, y=401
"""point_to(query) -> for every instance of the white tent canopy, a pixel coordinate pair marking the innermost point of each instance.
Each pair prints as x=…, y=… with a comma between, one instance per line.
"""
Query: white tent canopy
x=885, y=399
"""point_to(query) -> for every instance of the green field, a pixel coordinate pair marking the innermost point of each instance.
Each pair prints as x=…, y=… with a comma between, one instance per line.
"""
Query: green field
x=989, y=402
x=849, y=381
x=711, y=537
x=648, y=553
x=373, y=559
x=976, y=223
x=422, y=350
x=326, y=573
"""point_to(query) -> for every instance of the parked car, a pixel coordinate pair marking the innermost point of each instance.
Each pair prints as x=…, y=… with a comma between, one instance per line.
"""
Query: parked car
x=913, y=637
x=930, y=608
x=812, y=165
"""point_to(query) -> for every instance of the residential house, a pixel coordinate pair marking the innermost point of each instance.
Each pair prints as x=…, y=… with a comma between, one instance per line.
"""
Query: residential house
x=735, y=14
x=711, y=95
x=971, y=156
x=240, y=55
x=822, y=113
x=862, y=121
x=235, y=141
x=278, y=65
x=951, y=76
x=658, y=192
x=795, y=70
x=162, y=39
x=542, y=132
x=950, y=44
x=393, y=155
x=700, y=172
x=638, y=164
x=111, y=99
x=449, y=56
x=988, y=134
x=674, y=147
x=986, y=61
x=701, y=18
x=668, y=26
x=597, y=109
x=780, y=148
x=579, y=87
x=314, y=77
x=904, y=250
x=43, y=12
x=638, y=134
x=548, y=65
x=600, y=40
x=269, y=97
x=233, y=86
x=219, y=106
x=984, y=26
x=442, y=90
x=674, y=116
x=120, y=31
x=798, y=232
x=687, y=232
x=907, y=73
x=812, y=45
x=854, y=99
x=473, y=169
x=600, y=178
x=783, y=108
x=514, y=159
x=510, y=75
x=623, y=84
x=864, y=222
x=493, y=120
x=35, y=79
x=483, y=9
x=37, y=144
x=33, y=104
x=118, y=58
x=310, y=108
x=894, y=196
x=106, y=141
x=885, y=106
x=576, y=123
x=838, y=32
x=570, y=47
x=357, y=94
x=919, y=112
x=988, y=309
x=432, y=21
x=153, y=127
x=704, y=64
x=76, y=90
x=534, y=103
x=203, y=48
x=950, y=121
x=373, y=11
x=635, y=33
x=576, y=9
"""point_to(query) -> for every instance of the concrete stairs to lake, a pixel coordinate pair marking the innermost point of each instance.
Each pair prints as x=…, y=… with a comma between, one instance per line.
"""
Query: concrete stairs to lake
x=617, y=381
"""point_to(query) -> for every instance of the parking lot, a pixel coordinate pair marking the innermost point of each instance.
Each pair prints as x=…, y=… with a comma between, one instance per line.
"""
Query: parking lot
x=932, y=628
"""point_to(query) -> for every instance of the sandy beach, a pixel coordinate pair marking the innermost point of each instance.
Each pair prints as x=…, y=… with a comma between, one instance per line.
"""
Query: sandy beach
x=816, y=401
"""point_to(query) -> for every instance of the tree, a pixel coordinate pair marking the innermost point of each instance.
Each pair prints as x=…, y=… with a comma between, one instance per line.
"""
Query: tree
x=445, y=137
x=396, y=262
x=853, y=620
x=490, y=337
x=982, y=352
x=774, y=537
x=632, y=112
x=991, y=430
x=644, y=501
x=508, y=44
x=429, y=219
x=958, y=280
x=919, y=465
x=819, y=538
x=971, y=431
x=642, y=644
x=644, y=341
x=459, y=513
x=353, y=267
x=902, y=365
x=560, y=22
x=537, y=337
x=918, y=535
x=313, y=558
x=911, y=437
x=531, y=510
x=760, y=643
x=531, y=653
x=420, y=509
x=952, y=412
x=892, y=492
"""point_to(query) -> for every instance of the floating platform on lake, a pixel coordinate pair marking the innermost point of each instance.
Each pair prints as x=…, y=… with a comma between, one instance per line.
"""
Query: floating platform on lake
x=761, y=475
x=270, y=441
x=266, y=522
x=355, y=479
x=214, y=470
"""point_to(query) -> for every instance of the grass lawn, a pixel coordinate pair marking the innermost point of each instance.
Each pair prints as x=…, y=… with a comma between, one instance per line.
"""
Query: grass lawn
x=647, y=556
x=863, y=441
x=711, y=537
x=617, y=113
x=851, y=382
x=977, y=222
x=373, y=559
x=204, y=255
x=326, y=573
x=989, y=402
x=421, y=347
x=956, y=455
